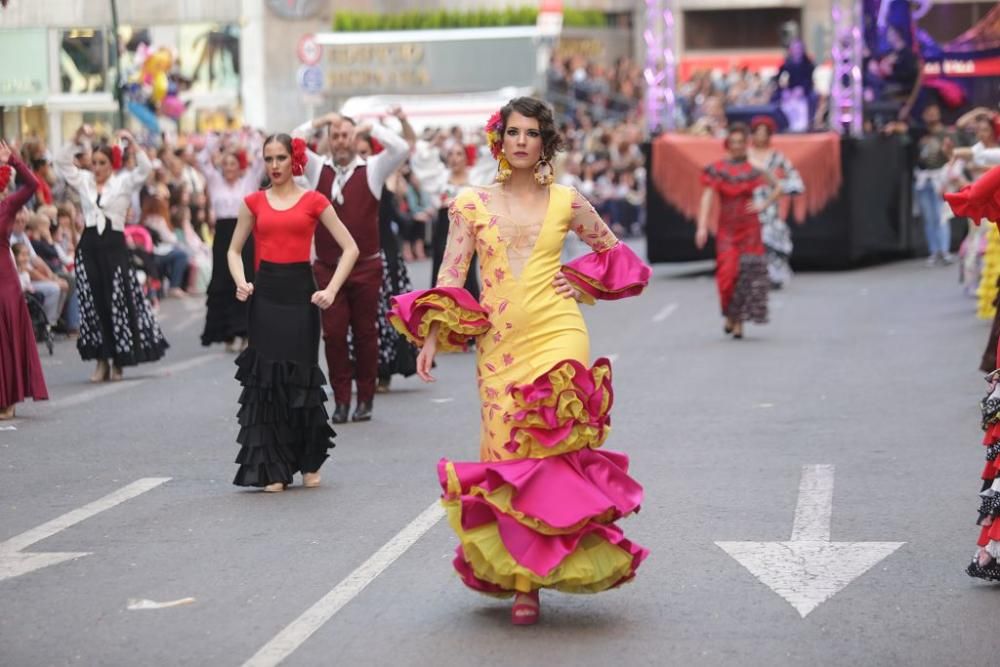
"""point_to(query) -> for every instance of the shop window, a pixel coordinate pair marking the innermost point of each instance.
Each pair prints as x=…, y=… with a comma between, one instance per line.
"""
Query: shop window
x=84, y=57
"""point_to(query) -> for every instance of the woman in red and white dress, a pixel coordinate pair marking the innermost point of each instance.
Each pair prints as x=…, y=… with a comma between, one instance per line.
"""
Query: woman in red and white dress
x=284, y=427
x=741, y=265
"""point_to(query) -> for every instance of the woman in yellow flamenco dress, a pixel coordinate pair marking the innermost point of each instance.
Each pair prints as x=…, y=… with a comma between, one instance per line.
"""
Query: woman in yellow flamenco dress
x=539, y=508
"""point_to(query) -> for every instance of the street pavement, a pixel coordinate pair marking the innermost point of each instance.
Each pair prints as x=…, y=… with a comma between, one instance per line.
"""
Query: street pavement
x=862, y=391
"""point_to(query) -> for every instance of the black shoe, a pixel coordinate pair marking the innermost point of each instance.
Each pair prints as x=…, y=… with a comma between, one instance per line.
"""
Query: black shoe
x=340, y=413
x=363, y=413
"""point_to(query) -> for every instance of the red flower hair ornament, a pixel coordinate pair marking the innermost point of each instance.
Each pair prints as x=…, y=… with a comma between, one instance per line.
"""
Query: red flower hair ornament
x=5, y=173
x=494, y=134
x=116, y=157
x=299, y=157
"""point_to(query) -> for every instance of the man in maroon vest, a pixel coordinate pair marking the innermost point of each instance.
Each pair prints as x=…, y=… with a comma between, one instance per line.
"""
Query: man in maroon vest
x=354, y=187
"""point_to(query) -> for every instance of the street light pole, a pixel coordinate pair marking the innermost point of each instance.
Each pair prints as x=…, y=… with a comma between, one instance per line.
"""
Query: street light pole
x=118, y=64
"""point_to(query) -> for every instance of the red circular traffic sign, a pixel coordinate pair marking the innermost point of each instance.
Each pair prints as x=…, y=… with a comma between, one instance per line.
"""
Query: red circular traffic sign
x=309, y=51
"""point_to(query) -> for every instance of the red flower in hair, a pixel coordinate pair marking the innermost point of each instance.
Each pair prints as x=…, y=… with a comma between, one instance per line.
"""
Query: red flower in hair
x=494, y=134
x=376, y=146
x=116, y=157
x=241, y=157
x=299, y=157
x=5, y=173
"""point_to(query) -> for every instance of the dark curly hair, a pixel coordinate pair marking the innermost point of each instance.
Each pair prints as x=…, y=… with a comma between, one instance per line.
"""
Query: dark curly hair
x=531, y=107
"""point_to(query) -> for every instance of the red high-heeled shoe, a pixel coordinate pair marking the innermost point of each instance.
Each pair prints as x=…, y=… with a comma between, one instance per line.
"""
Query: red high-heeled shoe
x=523, y=613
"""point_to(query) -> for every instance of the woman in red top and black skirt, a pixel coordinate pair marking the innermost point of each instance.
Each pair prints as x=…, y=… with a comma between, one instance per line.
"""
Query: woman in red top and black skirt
x=284, y=426
x=741, y=266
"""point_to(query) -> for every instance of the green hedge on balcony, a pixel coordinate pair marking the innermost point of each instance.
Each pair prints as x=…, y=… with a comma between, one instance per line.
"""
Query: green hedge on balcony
x=419, y=20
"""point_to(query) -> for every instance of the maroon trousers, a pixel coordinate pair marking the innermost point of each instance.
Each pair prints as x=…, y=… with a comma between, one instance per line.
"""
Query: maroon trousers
x=356, y=306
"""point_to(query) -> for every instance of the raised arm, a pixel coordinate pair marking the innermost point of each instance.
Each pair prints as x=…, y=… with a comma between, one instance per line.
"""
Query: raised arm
x=381, y=166
x=314, y=163
x=256, y=168
x=204, y=157
x=20, y=197
x=136, y=178
x=66, y=167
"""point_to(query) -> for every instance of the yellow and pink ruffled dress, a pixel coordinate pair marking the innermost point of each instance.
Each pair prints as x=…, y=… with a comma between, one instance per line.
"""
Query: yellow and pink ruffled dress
x=539, y=508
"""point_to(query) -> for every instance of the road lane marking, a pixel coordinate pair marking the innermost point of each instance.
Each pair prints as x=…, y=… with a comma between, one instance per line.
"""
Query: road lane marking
x=14, y=563
x=809, y=569
x=613, y=357
x=815, y=505
x=298, y=631
x=442, y=400
x=106, y=389
x=665, y=312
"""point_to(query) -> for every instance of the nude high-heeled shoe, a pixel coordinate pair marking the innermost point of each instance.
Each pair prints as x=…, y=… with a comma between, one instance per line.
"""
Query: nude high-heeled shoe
x=310, y=480
x=102, y=372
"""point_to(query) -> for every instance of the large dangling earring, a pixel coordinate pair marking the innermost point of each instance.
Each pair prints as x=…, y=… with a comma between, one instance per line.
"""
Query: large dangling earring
x=503, y=169
x=544, y=173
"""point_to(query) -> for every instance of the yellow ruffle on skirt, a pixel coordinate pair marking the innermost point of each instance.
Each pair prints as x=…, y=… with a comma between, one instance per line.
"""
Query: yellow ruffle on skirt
x=987, y=292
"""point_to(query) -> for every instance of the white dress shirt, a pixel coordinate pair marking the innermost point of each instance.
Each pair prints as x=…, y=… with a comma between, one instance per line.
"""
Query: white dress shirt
x=985, y=157
x=116, y=196
x=226, y=197
x=380, y=166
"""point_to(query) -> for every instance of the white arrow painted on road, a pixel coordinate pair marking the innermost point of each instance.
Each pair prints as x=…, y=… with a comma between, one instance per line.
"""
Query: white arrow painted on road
x=809, y=569
x=14, y=563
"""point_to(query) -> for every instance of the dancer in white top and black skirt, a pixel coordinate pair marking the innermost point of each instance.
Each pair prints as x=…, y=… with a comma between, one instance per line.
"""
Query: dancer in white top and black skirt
x=228, y=184
x=116, y=322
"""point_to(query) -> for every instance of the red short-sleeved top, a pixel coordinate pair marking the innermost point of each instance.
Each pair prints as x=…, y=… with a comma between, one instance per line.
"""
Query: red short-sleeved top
x=285, y=236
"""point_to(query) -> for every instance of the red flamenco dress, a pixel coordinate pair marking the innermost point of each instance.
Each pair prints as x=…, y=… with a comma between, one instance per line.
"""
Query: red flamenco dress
x=977, y=201
x=741, y=263
x=20, y=369
x=539, y=508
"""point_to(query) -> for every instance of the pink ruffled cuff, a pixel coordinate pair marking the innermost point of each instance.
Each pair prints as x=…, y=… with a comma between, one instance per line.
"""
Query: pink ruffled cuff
x=459, y=314
x=613, y=274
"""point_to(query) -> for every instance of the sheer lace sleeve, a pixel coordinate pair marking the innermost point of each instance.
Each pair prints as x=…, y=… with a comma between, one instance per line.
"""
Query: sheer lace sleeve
x=461, y=242
x=589, y=226
x=455, y=310
x=612, y=271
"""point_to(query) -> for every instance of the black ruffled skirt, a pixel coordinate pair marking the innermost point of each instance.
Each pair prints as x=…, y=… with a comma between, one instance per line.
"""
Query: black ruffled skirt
x=225, y=316
x=284, y=426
